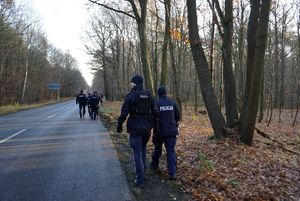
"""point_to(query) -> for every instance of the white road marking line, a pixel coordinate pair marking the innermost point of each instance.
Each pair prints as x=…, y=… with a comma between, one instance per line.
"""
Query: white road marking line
x=52, y=115
x=67, y=108
x=21, y=131
x=13, y=135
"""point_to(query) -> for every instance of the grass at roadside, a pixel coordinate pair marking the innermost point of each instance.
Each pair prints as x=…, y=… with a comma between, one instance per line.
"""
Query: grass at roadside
x=7, y=109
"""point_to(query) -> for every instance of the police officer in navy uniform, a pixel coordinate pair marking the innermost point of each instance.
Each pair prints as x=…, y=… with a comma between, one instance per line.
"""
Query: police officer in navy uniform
x=88, y=104
x=81, y=100
x=143, y=115
x=168, y=130
x=94, y=101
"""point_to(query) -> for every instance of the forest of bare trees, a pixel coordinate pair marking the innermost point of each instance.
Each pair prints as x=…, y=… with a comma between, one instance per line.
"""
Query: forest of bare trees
x=28, y=62
x=238, y=58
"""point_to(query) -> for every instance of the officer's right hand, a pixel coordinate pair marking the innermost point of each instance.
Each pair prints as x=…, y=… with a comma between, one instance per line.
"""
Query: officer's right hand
x=119, y=128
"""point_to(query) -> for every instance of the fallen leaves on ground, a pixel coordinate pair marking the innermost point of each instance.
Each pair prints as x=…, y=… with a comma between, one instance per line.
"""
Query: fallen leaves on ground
x=227, y=169
x=231, y=170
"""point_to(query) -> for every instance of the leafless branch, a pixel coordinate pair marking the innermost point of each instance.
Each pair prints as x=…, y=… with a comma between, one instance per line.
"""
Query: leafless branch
x=110, y=8
x=216, y=19
x=221, y=15
x=135, y=10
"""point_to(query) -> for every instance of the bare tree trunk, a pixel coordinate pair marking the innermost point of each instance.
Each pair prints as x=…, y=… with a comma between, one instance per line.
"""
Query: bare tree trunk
x=229, y=81
x=298, y=73
x=259, y=18
x=221, y=86
x=3, y=61
x=26, y=75
x=155, y=55
x=297, y=105
x=271, y=109
x=164, y=59
x=283, y=66
x=214, y=112
x=172, y=55
x=240, y=67
x=276, y=64
x=145, y=58
x=292, y=100
x=212, y=38
x=105, y=73
x=196, y=95
x=124, y=83
x=129, y=60
x=271, y=71
x=261, y=99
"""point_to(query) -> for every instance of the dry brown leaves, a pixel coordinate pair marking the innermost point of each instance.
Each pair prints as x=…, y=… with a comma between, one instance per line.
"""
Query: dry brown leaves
x=228, y=169
x=234, y=171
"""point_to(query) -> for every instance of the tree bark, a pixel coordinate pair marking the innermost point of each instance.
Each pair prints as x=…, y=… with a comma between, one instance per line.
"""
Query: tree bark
x=26, y=74
x=259, y=18
x=261, y=99
x=283, y=65
x=164, y=59
x=214, y=112
x=276, y=64
x=240, y=67
x=175, y=77
x=145, y=57
x=229, y=81
x=297, y=105
x=212, y=38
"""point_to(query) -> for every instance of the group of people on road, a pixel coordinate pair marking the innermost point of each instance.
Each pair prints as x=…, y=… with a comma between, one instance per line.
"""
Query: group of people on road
x=92, y=101
x=146, y=114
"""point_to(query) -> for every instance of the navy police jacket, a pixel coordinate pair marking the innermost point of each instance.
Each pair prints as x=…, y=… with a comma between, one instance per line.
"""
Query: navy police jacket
x=168, y=116
x=81, y=99
x=94, y=100
x=139, y=122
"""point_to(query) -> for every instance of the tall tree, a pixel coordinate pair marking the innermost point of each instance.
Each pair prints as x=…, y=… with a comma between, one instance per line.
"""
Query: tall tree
x=229, y=81
x=214, y=112
x=140, y=18
x=164, y=59
x=257, y=26
x=239, y=75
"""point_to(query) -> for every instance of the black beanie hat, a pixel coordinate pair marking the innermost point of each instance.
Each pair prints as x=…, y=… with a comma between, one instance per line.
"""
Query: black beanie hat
x=137, y=79
x=162, y=91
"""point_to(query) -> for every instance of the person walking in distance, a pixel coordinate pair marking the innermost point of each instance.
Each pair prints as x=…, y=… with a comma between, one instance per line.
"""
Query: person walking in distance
x=81, y=100
x=168, y=130
x=89, y=106
x=94, y=104
x=143, y=115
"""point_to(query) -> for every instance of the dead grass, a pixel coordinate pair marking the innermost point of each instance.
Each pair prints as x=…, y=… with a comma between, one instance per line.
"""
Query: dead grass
x=7, y=109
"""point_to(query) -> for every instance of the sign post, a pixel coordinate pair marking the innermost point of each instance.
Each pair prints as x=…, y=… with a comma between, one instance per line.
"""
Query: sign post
x=55, y=87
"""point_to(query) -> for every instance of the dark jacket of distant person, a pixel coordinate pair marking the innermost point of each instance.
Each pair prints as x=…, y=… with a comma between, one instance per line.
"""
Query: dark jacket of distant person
x=81, y=98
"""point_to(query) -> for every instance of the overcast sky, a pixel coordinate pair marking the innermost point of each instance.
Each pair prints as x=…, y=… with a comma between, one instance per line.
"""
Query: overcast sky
x=64, y=22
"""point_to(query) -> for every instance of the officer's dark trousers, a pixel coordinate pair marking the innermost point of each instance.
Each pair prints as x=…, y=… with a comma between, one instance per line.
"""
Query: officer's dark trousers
x=90, y=110
x=169, y=142
x=81, y=108
x=94, y=111
x=138, y=143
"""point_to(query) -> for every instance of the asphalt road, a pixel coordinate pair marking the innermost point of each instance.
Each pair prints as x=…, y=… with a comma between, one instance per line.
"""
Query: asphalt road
x=50, y=154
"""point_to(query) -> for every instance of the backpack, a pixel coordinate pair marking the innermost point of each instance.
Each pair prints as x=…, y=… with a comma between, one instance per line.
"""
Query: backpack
x=142, y=103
